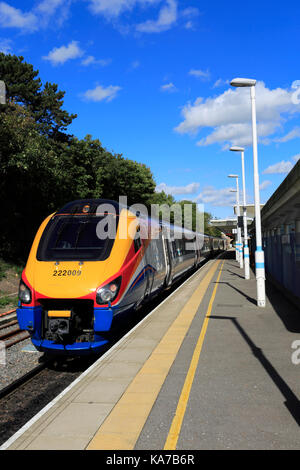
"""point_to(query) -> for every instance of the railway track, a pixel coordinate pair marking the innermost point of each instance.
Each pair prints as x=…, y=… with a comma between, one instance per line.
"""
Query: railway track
x=7, y=313
x=25, y=397
x=14, y=336
x=9, y=323
x=6, y=317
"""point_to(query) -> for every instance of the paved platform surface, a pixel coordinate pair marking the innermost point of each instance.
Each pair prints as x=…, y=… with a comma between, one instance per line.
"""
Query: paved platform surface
x=208, y=369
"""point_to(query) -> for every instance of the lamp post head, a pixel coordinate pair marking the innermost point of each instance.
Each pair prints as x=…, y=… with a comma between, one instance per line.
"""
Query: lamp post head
x=233, y=176
x=237, y=149
x=243, y=82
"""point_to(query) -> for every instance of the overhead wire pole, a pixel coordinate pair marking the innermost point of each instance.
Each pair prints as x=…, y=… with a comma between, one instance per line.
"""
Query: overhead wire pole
x=246, y=247
x=259, y=254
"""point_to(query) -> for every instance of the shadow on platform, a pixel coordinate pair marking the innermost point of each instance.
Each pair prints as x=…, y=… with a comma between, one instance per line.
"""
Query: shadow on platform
x=283, y=307
x=292, y=402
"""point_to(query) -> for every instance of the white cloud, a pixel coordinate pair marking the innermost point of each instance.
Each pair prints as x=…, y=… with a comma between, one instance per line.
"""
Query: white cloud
x=166, y=19
x=220, y=82
x=59, y=55
x=5, y=45
x=188, y=189
x=237, y=134
x=113, y=8
x=229, y=114
x=101, y=93
x=264, y=184
x=11, y=17
x=188, y=14
x=57, y=11
x=90, y=60
x=204, y=75
x=37, y=18
x=135, y=64
x=189, y=25
x=294, y=133
x=216, y=197
x=169, y=87
x=280, y=167
x=48, y=7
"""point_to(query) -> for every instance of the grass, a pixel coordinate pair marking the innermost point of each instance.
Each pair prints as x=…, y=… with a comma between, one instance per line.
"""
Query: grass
x=8, y=270
x=8, y=300
x=5, y=266
x=3, y=269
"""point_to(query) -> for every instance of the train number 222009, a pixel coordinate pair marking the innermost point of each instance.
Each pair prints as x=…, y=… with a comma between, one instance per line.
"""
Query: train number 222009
x=65, y=272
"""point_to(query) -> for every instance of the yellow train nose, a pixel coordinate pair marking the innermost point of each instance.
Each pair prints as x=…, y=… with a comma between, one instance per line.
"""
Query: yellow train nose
x=66, y=279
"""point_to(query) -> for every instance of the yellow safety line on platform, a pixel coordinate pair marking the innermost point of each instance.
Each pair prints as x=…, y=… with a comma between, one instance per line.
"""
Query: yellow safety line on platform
x=175, y=429
x=124, y=424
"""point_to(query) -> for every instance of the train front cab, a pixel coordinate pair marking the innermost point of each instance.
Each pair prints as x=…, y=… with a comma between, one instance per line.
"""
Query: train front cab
x=63, y=312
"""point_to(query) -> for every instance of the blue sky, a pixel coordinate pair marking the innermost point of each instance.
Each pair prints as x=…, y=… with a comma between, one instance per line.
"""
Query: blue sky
x=150, y=79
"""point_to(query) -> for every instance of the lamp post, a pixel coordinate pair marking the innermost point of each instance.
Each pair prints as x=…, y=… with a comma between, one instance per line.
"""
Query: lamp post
x=259, y=254
x=239, y=234
x=246, y=247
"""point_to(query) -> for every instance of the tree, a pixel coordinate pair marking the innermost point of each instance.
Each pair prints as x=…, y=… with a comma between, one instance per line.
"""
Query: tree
x=39, y=175
x=24, y=88
x=208, y=228
x=43, y=168
x=162, y=198
x=28, y=180
x=91, y=171
x=187, y=221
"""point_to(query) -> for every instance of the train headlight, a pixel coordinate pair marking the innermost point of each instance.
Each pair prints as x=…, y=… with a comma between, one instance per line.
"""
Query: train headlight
x=109, y=292
x=24, y=293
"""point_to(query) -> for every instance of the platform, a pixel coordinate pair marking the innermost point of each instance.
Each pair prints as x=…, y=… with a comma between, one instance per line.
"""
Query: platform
x=207, y=369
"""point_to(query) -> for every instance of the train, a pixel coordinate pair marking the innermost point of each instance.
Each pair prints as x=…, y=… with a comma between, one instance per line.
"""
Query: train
x=93, y=260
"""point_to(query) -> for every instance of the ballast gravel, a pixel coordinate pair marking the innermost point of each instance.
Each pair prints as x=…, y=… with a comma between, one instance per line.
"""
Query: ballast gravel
x=17, y=361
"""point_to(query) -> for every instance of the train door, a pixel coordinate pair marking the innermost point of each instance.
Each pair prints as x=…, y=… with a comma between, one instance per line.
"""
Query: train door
x=149, y=271
x=198, y=249
x=168, y=258
x=149, y=282
x=196, y=252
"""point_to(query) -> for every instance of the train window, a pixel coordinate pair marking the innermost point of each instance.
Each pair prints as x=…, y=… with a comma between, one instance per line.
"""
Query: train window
x=207, y=243
x=73, y=238
x=189, y=245
x=178, y=247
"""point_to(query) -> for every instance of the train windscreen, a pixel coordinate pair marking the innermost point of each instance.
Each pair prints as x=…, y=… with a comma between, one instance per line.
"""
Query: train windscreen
x=77, y=238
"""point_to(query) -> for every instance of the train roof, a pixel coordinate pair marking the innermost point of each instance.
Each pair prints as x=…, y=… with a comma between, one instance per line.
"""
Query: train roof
x=78, y=206
x=90, y=206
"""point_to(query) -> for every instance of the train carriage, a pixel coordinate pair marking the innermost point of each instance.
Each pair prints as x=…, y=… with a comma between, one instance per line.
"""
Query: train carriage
x=87, y=265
